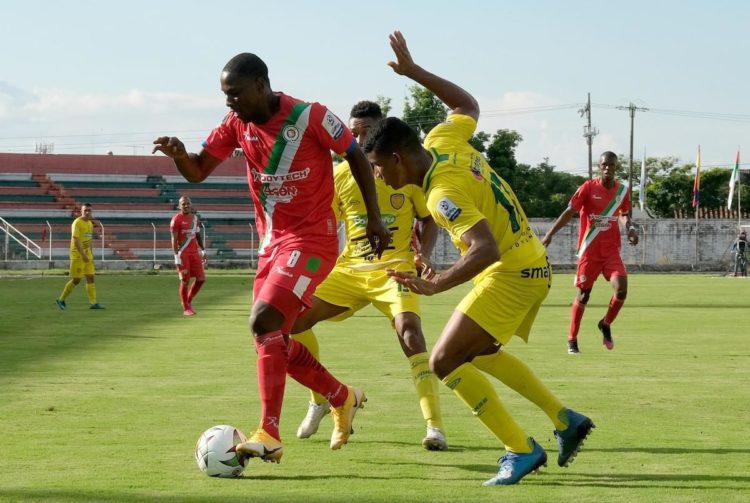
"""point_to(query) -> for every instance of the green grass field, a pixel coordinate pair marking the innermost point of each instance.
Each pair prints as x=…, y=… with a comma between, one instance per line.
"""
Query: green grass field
x=104, y=406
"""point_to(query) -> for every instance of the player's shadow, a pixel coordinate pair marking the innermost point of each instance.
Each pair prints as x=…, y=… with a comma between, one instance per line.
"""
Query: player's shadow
x=671, y=450
x=693, y=481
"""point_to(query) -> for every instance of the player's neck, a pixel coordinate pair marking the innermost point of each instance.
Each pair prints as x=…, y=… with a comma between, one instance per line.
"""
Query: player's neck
x=607, y=183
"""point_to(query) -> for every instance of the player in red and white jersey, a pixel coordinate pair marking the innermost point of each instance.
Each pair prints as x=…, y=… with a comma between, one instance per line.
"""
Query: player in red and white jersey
x=603, y=203
x=287, y=144
x=189, y=253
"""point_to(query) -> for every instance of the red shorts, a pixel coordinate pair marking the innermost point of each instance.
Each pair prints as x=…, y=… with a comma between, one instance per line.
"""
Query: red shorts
x=591, y=265
x=191, y=267
x=287, y=277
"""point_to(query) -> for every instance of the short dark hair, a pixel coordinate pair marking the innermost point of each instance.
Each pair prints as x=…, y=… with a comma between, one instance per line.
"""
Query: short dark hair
x=86, y=204
x=366, y=109
x=608, y=155
x=391, y=135
x=247, y=64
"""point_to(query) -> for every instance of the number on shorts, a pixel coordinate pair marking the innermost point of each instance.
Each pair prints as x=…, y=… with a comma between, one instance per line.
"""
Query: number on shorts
x=293, y=258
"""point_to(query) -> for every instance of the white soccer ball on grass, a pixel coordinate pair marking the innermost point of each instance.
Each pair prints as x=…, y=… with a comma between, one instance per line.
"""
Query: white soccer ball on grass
x=215, y=452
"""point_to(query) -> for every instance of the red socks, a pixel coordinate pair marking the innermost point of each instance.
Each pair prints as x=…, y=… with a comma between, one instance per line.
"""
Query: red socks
x=197, y=284
x=272, y=368
x=576, y=314
x=184, y=295
x=309, y=372
x=614, y=307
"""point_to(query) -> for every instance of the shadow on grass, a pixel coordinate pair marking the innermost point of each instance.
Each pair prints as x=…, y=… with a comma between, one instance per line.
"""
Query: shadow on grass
x=671, y=450
x=645, y=481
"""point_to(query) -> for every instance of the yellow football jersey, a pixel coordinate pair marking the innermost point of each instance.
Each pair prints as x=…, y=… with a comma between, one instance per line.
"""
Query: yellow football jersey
x=398, y=208
x=84, y=231
x=462, y=190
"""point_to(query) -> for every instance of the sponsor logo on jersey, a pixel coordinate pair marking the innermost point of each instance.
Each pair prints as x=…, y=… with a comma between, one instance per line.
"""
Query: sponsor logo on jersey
x=249, y=137
x=397, y=201
x=280, y=270
x=361, y=220
x=535, y=272
x=602, y=221
x=291, y=134
x=448, y=209
x=289, y=177
x=280, y=193
x=333, y=125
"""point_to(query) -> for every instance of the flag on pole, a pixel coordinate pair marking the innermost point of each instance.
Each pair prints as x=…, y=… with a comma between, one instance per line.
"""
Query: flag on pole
x=642, y=190
x=734, y=178
x=697, y=181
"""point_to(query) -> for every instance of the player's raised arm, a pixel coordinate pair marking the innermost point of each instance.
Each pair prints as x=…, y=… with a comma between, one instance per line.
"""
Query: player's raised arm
x=194, y=167
x=460, y=101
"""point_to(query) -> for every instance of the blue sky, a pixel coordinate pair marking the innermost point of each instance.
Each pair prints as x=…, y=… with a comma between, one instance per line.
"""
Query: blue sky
x=91, y=77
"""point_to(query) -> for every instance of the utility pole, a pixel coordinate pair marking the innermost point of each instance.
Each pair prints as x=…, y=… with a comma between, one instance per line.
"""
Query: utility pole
x=632, y=109
x=589, y=132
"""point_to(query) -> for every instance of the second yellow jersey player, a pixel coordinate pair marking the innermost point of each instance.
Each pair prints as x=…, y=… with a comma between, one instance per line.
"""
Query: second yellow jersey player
x=360, y=278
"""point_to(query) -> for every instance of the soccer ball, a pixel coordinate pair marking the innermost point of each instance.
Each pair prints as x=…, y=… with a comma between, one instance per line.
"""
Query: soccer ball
x=215, y=454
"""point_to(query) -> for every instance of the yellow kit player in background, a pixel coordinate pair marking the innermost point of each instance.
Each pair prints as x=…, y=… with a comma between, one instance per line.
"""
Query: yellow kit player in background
x=359, y=278
x=499, y=252
x=81, y=258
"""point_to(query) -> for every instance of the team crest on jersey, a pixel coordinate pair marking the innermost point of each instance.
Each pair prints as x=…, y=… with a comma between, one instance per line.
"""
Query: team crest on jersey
x=291, y=134
x=397, y=201
x=476, y=167
x=333, y=125
x=448, y=209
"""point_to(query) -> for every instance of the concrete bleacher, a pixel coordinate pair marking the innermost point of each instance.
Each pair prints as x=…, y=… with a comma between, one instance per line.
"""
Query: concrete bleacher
x=134, y=197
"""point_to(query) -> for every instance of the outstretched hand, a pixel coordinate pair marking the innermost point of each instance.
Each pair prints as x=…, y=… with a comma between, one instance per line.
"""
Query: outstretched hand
x=404, y=63
x=170, y=146
x=378, y=235
x=413, y=282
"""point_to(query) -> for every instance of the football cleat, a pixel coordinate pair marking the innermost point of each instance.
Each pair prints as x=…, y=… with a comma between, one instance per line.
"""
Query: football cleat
x=60, y=304
x=189, y=311
x=344, y=416
x=435, y=440
x=570, y=440
x=315, y=413
x=96, y=306
x=261, y=445
x=573, y=347
x=606, y=335
x=514, y=467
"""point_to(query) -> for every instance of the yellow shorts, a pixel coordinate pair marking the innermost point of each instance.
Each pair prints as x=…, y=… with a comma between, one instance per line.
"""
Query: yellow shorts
x=79, y=268
x=356, y=289
x=505, y=303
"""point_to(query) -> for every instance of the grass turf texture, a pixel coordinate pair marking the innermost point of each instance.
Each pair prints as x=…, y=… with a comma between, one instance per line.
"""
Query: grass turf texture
x=107, y=405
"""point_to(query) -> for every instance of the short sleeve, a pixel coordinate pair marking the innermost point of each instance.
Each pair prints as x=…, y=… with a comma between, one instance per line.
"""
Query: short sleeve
x=173, y=223
x=222, y=141
x=579, y=198
x=455, y=128
x=330, y=130
x=625, y=205
x=453, y=210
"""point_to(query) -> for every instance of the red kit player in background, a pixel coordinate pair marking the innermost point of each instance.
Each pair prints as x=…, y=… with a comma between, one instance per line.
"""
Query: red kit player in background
x=287, y=144
x=603, y=203
x=189, y=253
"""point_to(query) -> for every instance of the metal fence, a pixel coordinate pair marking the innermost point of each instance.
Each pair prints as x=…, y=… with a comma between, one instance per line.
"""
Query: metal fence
x=665, y=245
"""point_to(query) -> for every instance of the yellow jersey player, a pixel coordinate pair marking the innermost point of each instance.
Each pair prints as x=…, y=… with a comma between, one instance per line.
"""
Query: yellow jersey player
x=359, y=278
x=501, y=255
x=81, y=258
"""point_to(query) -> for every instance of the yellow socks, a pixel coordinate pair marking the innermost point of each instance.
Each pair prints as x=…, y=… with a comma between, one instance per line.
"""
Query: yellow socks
x=69, y=286
x=91, y=292
x=519, y=377
x=427, y=389
x=476, y=391
x=308, y=339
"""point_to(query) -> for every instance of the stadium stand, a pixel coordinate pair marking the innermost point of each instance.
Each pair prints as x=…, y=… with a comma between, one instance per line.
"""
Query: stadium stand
x=134, y=197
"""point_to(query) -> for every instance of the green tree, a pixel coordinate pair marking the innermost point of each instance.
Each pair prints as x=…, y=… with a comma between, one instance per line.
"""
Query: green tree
x=501, y=154
x=479, y=141
x=385, y=104
x=424, y=110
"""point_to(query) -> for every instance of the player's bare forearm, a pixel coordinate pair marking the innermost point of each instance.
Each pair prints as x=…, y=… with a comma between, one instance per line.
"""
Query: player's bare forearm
x=428, y=238
x=561, y=222
x=457, y=98
x=377, y=233
x=193, y=167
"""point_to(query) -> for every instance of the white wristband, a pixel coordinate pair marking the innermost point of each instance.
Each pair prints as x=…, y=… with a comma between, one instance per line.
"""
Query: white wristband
x=177, y=260
x=632, y=228
x=202, y=252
